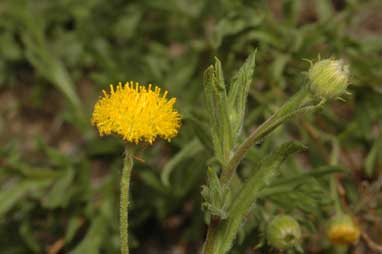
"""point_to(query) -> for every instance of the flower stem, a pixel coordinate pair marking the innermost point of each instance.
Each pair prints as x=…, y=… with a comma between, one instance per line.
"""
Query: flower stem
x=211, y=235
x=333, y=179
x=264, y=129
x=124, y=201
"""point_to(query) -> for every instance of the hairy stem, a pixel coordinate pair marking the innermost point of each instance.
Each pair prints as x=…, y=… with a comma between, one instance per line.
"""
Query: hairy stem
x=333, y=179
x=289, y=109
x=124, y=201
x=265, y=128
x=211, y=234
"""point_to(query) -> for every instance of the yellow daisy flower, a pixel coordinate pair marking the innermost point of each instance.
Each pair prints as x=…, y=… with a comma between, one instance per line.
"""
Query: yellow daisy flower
x=136, y=113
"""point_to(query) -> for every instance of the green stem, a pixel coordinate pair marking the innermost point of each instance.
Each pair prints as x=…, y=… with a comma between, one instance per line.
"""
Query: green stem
x=211, y=235
x=333, y=179
x=283, y=114
x=124, y=201
x=335, y=197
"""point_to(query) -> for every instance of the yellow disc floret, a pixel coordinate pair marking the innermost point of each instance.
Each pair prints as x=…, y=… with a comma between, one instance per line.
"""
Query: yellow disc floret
x=136, y=113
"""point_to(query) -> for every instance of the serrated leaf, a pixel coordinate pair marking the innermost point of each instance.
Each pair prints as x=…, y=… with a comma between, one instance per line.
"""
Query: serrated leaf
x=238, y=93
x=217, y=107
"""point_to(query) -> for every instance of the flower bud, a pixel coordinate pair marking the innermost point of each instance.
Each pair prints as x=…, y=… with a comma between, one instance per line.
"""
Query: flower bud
x=283, y=232
x=342, y=230
x=328, y=78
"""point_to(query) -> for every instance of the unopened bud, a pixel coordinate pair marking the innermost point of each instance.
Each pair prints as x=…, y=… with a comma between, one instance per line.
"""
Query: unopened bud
x=328, y=78
x=342, y=230
x=283, y=232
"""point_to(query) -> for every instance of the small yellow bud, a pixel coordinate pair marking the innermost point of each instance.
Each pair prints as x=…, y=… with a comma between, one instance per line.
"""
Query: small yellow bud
x=328, y=78
x=342, y=230
x=283, y=232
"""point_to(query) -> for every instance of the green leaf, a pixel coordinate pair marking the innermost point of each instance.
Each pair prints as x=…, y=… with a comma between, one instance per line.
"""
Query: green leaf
x=26, y=232
x=301, y=178
x=249, y=193
x=190, y=175
x=73, y=226
x=9, y=197
x=187, y=151
x=217, y=107
x=238, y=93
x=52, y=69
x=94, y=237
x=55, y=156
x=152, y=180
x=60, y=193
x=325, y=9
x=38, y=51
x=292, y=11
x=234, y=22
x=216, y=197
x=373, y=156
x=201, y=130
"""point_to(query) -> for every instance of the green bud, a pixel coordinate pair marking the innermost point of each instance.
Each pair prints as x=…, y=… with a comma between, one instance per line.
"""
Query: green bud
x=328, y=78
x=283, y=232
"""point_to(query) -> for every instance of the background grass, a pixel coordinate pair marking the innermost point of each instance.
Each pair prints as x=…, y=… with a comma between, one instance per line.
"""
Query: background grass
x=59, y=180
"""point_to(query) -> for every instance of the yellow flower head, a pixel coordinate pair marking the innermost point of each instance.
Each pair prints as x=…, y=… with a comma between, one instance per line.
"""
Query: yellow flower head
x=342, y=230
x=136, y=113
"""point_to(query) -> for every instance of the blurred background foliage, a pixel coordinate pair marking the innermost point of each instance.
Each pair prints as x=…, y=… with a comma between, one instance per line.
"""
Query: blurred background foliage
x=59, y=180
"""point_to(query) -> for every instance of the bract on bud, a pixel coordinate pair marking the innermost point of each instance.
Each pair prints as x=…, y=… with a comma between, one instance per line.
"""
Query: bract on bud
x=328, y=78
x=342, y=230
x=283, y=232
